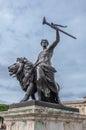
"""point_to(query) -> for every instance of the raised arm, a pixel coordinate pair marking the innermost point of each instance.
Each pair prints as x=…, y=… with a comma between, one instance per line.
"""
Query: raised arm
x=54, y=44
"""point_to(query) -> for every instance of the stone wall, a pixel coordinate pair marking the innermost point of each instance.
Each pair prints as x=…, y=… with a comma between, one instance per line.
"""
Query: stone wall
x=80, y=104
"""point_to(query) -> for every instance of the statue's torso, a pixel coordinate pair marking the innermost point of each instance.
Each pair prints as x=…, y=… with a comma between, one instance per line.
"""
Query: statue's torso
x=45, y=56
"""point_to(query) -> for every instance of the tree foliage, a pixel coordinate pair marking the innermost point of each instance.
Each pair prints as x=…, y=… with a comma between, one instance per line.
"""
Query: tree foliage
x=3, y=107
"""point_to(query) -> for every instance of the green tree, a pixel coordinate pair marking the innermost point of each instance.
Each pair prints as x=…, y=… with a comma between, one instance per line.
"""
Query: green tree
x=3, y=107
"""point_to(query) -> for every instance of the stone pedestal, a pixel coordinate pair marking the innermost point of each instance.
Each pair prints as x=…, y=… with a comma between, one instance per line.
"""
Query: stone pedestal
x=35, y=115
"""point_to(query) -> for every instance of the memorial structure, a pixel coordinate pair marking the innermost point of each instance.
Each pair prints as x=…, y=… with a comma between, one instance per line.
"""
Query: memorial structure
x=39, y=77
x=46, y=113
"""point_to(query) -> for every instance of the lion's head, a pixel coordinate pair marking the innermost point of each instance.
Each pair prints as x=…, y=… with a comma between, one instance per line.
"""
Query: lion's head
x=13, y=69
x=25, y=74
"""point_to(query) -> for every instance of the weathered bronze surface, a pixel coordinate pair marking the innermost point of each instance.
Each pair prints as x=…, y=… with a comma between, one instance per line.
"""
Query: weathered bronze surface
x=38, y=77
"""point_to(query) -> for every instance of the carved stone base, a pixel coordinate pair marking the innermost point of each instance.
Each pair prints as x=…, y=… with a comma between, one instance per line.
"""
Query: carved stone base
x=35, y=115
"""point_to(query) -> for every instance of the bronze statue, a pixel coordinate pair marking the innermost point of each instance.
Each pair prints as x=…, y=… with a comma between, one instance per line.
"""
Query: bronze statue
x=39, y=77
x=46, y=84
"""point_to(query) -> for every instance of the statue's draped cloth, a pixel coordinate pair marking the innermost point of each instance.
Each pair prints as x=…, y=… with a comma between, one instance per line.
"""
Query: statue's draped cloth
x=46, y=79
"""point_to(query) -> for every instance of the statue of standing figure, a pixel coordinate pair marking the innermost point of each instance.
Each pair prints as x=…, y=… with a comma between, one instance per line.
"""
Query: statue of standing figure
x=38, y=77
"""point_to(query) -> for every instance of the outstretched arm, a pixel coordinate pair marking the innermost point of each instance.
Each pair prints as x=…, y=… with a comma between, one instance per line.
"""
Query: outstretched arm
x=54, y=44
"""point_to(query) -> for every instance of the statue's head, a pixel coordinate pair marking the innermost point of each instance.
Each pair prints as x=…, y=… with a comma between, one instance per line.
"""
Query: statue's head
x=44, y=43
x=21, y=59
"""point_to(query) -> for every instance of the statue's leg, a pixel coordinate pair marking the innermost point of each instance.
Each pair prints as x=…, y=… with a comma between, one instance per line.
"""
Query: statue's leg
x=39, y=94
x=57, y=94
x=34, y=91
x=57, y=99
x=29, y=92
x=33, y=96
x=40, y=77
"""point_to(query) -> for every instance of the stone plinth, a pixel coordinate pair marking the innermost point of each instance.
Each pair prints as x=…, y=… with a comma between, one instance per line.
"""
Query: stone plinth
x=35, y=115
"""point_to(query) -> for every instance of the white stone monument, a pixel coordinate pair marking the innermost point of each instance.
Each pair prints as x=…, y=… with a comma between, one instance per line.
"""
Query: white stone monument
x=36, y=115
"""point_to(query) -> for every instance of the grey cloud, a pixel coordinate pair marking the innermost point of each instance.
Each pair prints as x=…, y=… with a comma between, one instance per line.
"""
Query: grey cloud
x=21, y=31
x=3, y=102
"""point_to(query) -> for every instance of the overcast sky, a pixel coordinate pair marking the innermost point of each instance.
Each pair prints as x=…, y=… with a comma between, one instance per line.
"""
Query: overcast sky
x=21, y=31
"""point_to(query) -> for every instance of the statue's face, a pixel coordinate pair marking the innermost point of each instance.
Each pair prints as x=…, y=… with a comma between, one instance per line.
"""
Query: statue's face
x=44, y=44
